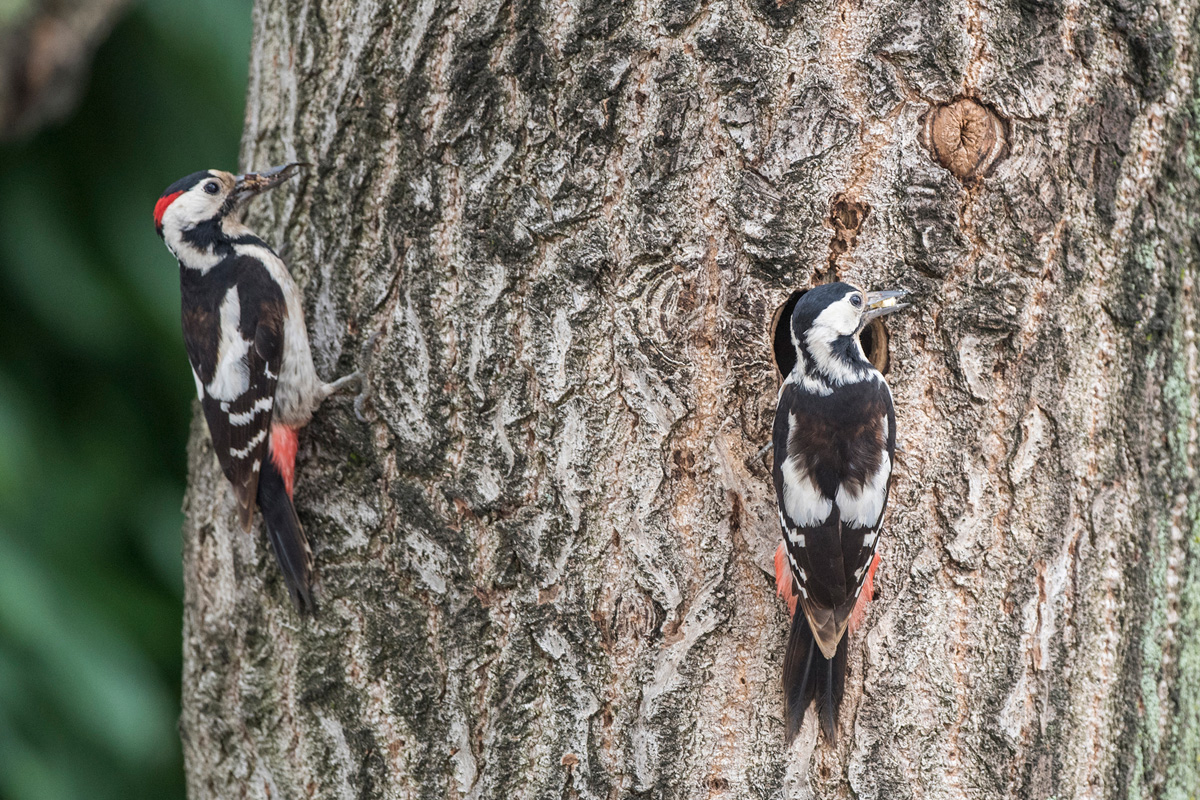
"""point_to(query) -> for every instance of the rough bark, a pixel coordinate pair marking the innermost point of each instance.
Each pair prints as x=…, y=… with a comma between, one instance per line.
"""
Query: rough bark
x=544, y=562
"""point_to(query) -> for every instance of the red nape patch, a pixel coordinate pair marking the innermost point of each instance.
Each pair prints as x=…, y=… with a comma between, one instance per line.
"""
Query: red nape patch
x=783, y=579
x=284, y=441
x=864, y=597
x=161, y=206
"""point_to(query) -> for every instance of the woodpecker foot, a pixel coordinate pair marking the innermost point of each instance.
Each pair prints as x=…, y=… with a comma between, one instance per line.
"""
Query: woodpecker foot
x=364, y=393
x=333, y=387
x=361, y=398
x=359, y=376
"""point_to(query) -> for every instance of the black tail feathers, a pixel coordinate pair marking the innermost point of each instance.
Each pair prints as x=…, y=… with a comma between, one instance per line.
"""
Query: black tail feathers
x=808, y=675
x=287, y=537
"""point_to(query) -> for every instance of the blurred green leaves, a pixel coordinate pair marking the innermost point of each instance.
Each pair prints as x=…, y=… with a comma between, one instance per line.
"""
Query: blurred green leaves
x=95, y=398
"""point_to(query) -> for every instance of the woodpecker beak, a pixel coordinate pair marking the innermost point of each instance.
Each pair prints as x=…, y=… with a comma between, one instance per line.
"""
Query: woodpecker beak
x=253, y=183
x=880, y=304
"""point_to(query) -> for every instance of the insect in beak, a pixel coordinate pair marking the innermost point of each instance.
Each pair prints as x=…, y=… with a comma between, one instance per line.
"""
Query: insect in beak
x=880, y=304
x=253, y=183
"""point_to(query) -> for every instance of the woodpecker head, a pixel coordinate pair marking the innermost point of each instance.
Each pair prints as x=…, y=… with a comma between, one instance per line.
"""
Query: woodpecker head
x=192, y=213
x=824, y=326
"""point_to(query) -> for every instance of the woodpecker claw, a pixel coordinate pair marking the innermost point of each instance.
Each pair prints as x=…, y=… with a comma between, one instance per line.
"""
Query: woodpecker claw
x=364, y=392
x=360, y=400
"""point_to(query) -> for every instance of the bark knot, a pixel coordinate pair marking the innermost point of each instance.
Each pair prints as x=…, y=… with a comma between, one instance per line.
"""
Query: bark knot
x=966, y=138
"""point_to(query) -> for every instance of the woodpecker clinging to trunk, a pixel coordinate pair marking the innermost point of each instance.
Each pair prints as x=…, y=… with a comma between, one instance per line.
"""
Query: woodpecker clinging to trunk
x=834, y=441
x=243, y=327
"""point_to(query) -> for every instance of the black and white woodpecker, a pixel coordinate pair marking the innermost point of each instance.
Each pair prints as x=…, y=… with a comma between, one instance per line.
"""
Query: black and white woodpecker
x=243, y=328
x=834, y=440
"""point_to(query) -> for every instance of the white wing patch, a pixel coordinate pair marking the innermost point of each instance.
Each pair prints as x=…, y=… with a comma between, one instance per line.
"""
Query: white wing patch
x=863, y=509
x=231, y=378
x=199, y=384
x=802, y=498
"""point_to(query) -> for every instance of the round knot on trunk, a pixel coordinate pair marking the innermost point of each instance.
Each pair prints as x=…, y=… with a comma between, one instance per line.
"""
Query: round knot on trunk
x=965, y=138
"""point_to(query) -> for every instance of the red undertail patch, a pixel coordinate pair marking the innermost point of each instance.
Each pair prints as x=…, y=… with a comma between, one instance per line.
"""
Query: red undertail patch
x=868, y=592
x=783, y=579
x=162, y=205
x=284, y=441
x=784, y=586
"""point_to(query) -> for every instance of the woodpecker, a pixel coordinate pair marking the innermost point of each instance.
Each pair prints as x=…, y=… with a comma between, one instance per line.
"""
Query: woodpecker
x=834, y=439
x=243, y=328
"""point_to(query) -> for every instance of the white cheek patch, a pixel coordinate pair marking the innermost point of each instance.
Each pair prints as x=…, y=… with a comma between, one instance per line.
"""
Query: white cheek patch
x=193, y=205
x=838, y=320
x=189, y=207
x=864, y=508
x=232, y=376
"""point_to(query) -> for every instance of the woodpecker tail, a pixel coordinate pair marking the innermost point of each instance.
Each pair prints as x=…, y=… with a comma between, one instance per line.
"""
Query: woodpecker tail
x=808, y=675
x=286, y=535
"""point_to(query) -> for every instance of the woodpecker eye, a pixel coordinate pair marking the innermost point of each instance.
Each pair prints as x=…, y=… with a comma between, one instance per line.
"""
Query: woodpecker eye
x=211, y=187
x=856, y=300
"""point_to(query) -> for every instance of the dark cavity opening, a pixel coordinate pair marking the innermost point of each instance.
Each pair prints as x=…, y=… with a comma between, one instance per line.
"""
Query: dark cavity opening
x=781, y=334
x=874, y=339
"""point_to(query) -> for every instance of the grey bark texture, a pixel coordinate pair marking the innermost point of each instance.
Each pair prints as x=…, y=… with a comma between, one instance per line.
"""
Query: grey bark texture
x=545, y=560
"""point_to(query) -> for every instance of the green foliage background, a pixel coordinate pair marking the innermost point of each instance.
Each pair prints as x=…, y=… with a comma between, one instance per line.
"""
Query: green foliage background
x=95, y=398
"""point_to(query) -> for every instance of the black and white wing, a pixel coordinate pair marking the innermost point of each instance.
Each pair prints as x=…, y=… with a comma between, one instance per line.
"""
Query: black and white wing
x=233, y=320
x=832, y=476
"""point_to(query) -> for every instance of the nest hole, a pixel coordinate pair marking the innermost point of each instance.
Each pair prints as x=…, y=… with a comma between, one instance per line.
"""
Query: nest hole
x=874, y=340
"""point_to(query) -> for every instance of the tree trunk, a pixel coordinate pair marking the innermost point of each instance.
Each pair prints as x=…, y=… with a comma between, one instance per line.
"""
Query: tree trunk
x=545, y=560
